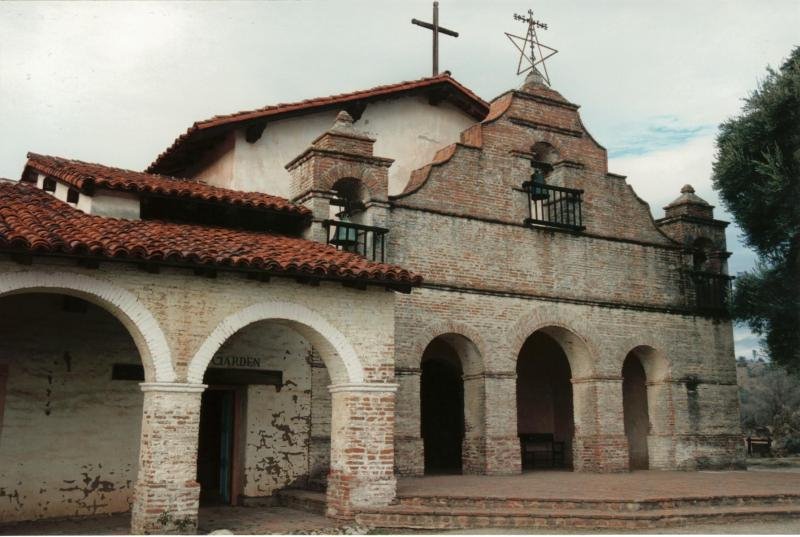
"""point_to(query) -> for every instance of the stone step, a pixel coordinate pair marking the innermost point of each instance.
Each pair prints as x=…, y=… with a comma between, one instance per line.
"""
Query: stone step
x=611, y=505
x=303, y=500
x=426, y=518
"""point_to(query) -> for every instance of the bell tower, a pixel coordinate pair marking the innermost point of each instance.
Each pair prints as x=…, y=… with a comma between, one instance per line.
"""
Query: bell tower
x=689, y=219
x=346, y=187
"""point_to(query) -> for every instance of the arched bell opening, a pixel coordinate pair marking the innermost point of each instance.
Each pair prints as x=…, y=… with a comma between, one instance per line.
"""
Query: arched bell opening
x=544, y=158
x=442, y=408
x=70, y=406
x=636, y=415
x=545, y=415
x=702, y=258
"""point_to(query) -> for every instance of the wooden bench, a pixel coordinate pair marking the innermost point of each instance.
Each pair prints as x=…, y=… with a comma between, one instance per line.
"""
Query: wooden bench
x=759, y=446
x=538, y=448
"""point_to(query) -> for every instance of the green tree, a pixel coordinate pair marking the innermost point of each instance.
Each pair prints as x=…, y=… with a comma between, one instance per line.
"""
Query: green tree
x=757, y=173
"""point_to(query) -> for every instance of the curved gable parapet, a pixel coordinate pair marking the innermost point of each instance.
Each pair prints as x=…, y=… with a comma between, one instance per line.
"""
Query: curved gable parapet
x=645, y=207
x=420, y=176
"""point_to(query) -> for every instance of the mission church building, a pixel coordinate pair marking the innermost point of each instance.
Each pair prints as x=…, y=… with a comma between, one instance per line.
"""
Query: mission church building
x=336, y=293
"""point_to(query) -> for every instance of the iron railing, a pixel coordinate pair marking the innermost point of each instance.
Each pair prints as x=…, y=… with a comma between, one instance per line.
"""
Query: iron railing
x=712, y=291
x=554, y=206
x=367, y=241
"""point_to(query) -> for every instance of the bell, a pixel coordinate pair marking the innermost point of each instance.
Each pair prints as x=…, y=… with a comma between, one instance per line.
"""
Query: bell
x=538, y=192
x=346, y=237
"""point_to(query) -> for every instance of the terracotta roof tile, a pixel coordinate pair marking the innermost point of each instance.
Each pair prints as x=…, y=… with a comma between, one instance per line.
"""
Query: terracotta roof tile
x=166, y=160
x=86, y=176
x=32, y=221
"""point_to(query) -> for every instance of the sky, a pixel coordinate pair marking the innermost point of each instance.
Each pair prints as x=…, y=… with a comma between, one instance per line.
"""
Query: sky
x=116, y=82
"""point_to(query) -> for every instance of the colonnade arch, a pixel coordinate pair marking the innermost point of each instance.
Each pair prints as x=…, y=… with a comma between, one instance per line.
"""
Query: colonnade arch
x=343, y=364
x=452, y=404
x=648, y=409
x=145, y=330
x=361, y=414
x=549, y=412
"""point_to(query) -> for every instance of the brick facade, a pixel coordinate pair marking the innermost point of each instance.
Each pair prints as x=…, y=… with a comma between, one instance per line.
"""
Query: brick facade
x=621, y=286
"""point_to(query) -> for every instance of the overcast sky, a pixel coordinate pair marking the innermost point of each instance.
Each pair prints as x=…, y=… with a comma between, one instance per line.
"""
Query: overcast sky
x=116, y=82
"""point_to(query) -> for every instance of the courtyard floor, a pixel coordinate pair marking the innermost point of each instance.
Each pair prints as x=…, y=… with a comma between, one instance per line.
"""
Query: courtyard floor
x=640, y=485
x=543, y=484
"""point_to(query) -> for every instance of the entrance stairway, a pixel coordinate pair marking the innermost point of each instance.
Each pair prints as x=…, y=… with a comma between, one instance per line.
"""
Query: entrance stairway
x=477, y=512
x=467, y=512
x=311, y=501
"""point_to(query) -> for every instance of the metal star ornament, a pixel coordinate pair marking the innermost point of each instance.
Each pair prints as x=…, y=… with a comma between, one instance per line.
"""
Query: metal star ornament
x=532, y=51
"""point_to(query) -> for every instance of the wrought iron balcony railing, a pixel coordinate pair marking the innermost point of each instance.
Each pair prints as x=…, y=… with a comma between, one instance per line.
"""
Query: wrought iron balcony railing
x=712, y=291
x=554, y=206
x=367, y=241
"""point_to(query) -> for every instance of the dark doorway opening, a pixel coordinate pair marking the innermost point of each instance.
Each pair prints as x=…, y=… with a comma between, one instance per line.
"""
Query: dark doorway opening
x=442, y=398
x=545, y=421
x=215, y=451
x=634, y=404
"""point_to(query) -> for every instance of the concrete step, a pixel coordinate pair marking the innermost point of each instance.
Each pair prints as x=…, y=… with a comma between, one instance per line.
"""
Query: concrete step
x=610, y=505
x=303, y=500
x=427, y=518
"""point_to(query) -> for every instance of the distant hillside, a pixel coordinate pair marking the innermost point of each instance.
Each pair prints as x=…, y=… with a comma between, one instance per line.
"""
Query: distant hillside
x=770, y=402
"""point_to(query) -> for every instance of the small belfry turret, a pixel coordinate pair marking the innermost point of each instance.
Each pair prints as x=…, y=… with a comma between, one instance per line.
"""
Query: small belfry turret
x=346, y=187
x=689, y=219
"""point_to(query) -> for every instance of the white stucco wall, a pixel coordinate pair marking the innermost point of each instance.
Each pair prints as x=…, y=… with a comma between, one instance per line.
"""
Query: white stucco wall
x=111, y=203
x=69, y=439
x=407, y=129
x=276, y=422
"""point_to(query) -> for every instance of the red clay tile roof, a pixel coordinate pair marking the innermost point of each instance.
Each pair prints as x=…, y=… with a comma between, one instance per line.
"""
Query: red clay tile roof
x=85, y=176
x=196, y=139
x=32, y=221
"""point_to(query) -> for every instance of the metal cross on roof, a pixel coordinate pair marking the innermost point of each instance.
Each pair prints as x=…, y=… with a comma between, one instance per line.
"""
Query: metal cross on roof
x=436, y=31
x=537, y=55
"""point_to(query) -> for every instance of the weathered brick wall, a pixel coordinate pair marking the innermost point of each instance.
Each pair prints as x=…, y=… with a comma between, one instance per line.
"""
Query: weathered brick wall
x=619, y=284
x=698, y=351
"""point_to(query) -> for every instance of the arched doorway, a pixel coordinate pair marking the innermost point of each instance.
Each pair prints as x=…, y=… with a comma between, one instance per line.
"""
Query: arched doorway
x=70, y=406
x=442, y=405
x=361, y=411
x=648, y=410
x=545, y=422
x=637, y=420
x=259, y=430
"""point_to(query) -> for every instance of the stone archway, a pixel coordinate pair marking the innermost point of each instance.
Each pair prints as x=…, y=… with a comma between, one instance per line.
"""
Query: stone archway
x=648, y=408
x=121, y=303
x=545, y=421
x=91, y=351
x=362, y=424
x=598, y=442
x=451, y=405
x=340, y=358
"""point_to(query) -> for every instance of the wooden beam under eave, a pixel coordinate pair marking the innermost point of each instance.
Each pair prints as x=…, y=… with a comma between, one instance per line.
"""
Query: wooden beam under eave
x=254, y=131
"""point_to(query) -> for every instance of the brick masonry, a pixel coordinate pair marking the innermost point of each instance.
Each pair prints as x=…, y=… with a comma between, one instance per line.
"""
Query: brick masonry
x=619, y=286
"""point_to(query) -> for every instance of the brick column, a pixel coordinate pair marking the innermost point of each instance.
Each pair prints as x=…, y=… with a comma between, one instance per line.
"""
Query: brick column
x=362, y=448
x=167, y=495
x=661, y=436
x=502, y=450
x=409, y=456
x=319, y=449
x=600, y=444
x=319, y=204
x=473, y=448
